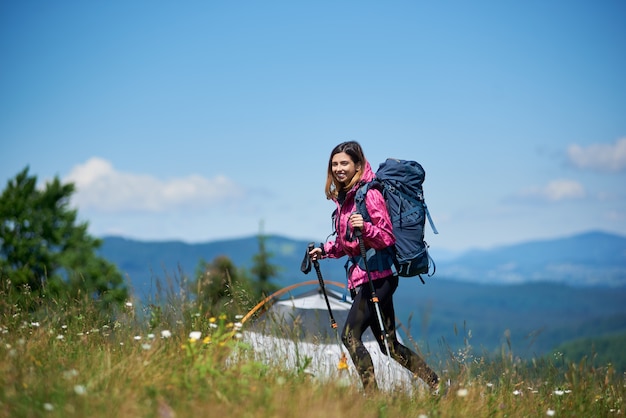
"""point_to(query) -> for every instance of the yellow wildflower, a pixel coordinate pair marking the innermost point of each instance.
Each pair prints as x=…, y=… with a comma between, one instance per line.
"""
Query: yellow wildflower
x=343, y=362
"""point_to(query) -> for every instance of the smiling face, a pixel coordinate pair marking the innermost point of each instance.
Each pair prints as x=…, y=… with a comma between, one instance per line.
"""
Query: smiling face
x=344, y=168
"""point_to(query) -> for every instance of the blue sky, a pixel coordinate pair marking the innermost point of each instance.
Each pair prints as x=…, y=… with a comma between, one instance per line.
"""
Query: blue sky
x=198, y=120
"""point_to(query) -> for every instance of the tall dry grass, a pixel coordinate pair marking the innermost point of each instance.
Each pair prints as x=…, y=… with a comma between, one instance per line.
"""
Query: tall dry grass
x=170, y=361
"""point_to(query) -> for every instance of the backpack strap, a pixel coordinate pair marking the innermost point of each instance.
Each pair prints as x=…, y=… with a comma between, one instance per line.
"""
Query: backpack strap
x=430, y=220
x=377, y=260
x=359, y=199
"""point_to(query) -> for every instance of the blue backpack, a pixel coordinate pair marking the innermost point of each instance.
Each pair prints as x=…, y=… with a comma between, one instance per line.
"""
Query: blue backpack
x=400, y=182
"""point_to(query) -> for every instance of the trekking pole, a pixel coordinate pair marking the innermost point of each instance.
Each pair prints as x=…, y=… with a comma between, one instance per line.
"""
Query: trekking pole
x=343, y=361
x=359, y=235
x=316, y=265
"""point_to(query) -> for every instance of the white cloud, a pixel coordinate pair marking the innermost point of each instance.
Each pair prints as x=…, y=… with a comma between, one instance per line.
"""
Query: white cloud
x=556, y=190
x=600, y=157
x=99, y=186
x=616, y=215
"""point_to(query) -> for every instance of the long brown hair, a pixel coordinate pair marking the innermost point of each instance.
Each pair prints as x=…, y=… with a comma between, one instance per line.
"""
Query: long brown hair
x=354, y=150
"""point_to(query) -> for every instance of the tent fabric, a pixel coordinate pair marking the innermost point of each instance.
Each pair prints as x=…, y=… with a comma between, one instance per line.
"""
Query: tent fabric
x=298, y=328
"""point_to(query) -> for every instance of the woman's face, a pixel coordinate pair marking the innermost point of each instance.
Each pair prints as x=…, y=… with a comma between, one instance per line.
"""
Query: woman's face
x=343, y=168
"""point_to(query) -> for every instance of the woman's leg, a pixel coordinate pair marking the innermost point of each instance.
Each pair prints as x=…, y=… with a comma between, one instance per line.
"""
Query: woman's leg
x=385, y=289
x=359, y=318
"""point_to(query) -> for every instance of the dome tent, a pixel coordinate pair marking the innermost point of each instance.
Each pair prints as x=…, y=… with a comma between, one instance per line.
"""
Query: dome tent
x=295, y=331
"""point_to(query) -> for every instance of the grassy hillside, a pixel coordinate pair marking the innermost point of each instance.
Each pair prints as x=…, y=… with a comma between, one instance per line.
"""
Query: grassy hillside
x=71, y=362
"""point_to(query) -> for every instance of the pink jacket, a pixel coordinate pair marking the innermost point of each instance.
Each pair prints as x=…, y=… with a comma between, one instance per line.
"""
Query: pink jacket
x=378, y=234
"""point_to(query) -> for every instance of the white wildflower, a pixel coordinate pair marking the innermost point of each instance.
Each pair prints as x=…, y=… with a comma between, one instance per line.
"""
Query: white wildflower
x=60, y=337
x=517, y=392
x=195, y=335
x=80, y=390
x=166, y=334
x=48, y=406
x=550, y=412
x=151, y=336
x=129, y=304
x=137, y=337
x=462, y=393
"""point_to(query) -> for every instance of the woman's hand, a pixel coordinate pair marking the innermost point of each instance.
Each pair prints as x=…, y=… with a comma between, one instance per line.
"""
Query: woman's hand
x=315, y=254
x=356, y=221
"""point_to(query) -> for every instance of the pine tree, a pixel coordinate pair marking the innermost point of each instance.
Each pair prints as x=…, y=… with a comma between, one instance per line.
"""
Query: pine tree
x=45, y=252
x=262, y=269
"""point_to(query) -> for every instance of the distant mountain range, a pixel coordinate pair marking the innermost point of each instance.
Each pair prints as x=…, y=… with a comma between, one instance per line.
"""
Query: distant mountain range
x=588, y=259
x=596, y=259
x=534, y=295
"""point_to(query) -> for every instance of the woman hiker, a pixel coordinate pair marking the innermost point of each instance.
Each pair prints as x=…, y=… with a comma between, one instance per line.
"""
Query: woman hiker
x=347, y=171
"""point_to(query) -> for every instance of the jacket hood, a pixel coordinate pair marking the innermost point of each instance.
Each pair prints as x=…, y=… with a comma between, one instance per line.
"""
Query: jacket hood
x=368, y=173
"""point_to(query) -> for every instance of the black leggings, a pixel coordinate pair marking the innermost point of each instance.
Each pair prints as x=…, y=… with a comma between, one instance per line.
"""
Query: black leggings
x=363, y=315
